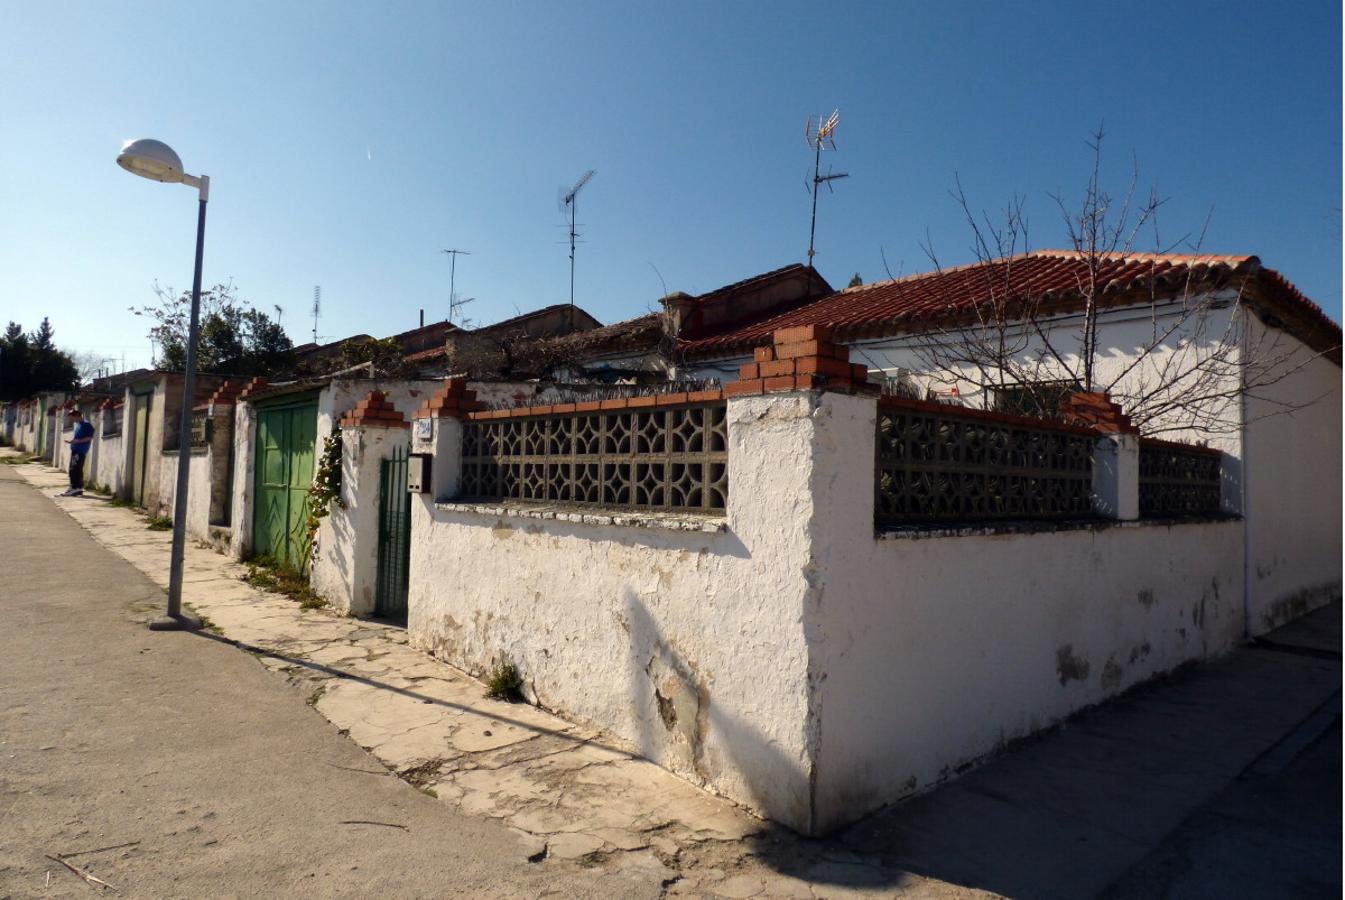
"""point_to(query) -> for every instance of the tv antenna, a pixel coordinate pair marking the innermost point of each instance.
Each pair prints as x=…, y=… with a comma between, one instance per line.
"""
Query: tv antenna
x=819, y=134
x=570, y=201
x=317, y=309
x=454, y=304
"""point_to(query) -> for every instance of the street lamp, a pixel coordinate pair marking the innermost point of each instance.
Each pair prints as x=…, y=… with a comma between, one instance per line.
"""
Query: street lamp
x=156, y=161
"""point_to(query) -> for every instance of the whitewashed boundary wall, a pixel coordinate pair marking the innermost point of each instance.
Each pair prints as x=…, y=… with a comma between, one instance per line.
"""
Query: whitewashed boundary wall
x=345, y=566
x=930, y=650
x=788, y=655
x=334, y=399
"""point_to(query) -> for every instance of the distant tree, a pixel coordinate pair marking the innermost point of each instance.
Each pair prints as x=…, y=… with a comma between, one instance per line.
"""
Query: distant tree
x=385, y=354
x=235, y=338
x=32, y=362
x=855, y=281
x=90, y=364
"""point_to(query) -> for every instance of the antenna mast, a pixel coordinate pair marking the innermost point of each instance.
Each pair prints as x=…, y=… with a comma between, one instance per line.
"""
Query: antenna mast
x=453, y=304
x=570, y=201
x=317, y=309
x=819, y=135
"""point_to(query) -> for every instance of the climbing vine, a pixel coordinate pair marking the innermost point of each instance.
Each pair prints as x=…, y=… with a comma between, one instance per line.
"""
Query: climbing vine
x=326, y=487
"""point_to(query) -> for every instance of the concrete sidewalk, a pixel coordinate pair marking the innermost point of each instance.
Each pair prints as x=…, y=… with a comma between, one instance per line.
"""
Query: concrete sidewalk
x=1070, y=814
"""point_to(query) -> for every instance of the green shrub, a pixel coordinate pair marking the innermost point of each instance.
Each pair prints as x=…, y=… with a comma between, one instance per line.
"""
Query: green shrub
x=505, y=682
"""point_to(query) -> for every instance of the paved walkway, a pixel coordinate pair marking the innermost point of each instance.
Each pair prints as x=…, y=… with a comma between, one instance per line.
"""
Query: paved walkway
x=1069, y=815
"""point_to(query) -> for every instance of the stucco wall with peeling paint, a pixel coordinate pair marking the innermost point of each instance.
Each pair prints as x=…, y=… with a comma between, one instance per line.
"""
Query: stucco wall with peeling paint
x=688, y=644
x=932, y=652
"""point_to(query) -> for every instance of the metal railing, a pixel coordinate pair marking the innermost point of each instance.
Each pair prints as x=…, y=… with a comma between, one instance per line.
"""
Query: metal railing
x=1178, y=479
x=671, y=458
x=940, y=464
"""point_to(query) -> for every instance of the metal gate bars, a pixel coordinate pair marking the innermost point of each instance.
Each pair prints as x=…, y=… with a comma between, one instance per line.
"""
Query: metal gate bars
x=394, y=537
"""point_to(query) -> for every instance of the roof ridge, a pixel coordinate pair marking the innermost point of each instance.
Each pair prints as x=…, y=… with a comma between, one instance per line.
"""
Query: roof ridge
x=754, y=278
x=934, y=273
x=1187, y=258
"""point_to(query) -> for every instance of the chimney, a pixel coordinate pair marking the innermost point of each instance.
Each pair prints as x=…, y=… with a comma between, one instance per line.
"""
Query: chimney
x=677, y=307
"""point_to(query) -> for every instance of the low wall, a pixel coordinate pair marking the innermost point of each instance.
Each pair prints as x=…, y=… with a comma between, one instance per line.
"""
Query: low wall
x=796, y=660
x=686, y=643
x=335, y=399
x=345, y=567
x=108, y=464
x=933, y=651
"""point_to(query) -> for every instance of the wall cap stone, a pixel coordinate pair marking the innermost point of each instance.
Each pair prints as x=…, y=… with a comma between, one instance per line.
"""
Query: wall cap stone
x=575, y=515
x=1029, y=528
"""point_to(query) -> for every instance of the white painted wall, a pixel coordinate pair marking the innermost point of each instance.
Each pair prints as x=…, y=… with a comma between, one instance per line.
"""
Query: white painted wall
x=1293, y=487
x=245, y=461
x=345, y=569
x=828, y=671
x=604, y=621
x=109, y=463
x=932, y=652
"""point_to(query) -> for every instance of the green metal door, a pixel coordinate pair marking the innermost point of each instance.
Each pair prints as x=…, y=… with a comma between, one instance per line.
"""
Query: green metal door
x=394, y=538
x=140, y=447
x=286, y=436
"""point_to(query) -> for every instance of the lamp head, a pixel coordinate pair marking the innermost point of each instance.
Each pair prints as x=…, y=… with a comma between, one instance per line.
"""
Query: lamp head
x=151, y=159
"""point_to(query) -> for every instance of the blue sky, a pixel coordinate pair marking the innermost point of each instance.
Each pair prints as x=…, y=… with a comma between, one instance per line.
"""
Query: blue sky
x=348, y=143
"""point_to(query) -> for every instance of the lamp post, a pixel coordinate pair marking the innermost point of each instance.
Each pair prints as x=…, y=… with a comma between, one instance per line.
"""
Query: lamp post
x=156, y=161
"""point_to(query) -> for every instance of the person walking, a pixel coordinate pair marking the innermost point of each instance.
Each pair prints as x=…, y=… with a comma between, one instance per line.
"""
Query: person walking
x=79, y=442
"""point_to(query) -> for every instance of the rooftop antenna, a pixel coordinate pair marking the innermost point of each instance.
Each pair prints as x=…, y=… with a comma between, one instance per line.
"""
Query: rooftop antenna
x=454, y=304
x=570, y=200
x=819, y=134
x=317, y=309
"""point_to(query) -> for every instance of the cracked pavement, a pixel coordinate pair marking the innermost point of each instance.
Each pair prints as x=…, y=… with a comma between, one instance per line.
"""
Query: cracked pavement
x=576, y=798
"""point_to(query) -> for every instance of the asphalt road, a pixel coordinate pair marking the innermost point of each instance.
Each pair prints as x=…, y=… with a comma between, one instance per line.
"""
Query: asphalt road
x=226, y=782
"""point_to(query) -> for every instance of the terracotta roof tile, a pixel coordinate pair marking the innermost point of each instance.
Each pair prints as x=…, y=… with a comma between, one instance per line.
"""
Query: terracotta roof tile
x=905, y=304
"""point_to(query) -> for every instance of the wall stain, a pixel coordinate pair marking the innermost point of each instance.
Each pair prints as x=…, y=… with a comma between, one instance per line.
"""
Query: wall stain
x=667, y=710
x=1111, y=674
x=1146, y=597
x=1069, y=667
x=1138, y=652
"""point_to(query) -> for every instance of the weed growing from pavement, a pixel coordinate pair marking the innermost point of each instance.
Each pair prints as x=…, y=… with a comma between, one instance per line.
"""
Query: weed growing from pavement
x=207, y=624
x=159, y=523
x=272, y=575
x=121, y=503
x=505, y=682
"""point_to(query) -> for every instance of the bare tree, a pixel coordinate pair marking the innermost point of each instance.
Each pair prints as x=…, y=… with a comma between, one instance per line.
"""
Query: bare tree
x=1189, y=355
x=91, y=364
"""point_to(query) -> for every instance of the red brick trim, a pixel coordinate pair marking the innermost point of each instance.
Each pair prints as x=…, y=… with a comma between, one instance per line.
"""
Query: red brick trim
x=1096, y=411
x=253, y=386
x=374, y=411
x=453, y=400
x=642, y=401
x=227, y=393
x=801, y=359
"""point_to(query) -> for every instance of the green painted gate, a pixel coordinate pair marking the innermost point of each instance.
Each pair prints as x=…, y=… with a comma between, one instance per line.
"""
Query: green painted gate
x=394, y=538
x=286, y=443
x=140, y=445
